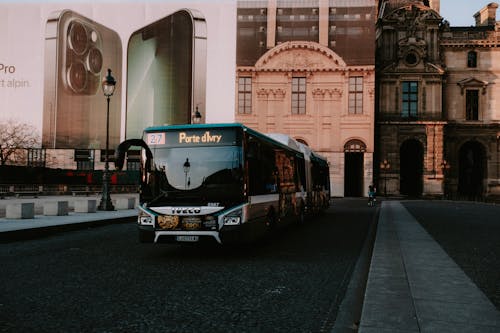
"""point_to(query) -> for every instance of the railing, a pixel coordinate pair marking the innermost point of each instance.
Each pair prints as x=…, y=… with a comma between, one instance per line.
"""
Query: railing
x=60, y=189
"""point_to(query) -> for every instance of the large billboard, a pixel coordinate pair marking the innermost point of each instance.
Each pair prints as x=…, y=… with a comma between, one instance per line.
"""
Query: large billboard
x=54, y=55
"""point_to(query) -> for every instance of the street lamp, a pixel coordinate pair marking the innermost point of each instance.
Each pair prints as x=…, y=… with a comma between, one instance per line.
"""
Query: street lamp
x=108, y=88
x=186, y=167
x=445, y=167
x=197, y=116
x=385, y=166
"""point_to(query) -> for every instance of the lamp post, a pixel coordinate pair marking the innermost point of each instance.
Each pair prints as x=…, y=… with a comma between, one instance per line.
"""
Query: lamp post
x=445, y=167
x=196, y=116
x=385, y=165
x=186, y=167
x=108, y=87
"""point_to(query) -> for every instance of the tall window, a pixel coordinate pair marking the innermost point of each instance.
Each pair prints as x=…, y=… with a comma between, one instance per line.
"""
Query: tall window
x=245, y=95
x=472, y=59
x=134, y=160
x=472, y=105
x=299, y=22
x=356, y=95
x=410, y=99
x=36, y=157
x=251, y=29
x=298, y=95
x=84, y=159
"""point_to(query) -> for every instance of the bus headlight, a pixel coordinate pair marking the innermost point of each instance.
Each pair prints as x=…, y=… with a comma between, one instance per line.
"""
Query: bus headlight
x=145, y=219
x=233, y=218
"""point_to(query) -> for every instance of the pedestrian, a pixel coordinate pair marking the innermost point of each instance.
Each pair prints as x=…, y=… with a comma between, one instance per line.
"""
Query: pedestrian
x=371, y=195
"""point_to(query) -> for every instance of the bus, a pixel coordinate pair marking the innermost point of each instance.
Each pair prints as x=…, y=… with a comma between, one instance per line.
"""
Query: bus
x=223, y=182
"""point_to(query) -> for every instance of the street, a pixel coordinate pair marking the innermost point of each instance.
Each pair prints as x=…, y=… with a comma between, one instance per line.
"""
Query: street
x=470, y=234
x=102, y=280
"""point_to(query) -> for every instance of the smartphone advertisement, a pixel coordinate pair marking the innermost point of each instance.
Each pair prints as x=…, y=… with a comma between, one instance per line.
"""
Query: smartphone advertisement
x=164, y=60
x=169, y=59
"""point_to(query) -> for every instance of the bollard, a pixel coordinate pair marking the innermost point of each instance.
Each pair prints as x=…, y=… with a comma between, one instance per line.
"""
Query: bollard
x=25, y=210
x=85, y=206
x=55, y=208
x=125, y=203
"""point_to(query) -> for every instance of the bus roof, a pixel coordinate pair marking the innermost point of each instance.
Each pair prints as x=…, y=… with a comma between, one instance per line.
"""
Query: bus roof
x=278, y=138
x=192, y=126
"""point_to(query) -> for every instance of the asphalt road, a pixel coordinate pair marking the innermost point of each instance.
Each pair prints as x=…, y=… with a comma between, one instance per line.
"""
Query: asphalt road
x=470, y=233
x=103, y=280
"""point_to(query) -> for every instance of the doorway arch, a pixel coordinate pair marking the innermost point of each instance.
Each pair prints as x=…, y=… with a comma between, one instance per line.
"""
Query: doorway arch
x=411, y=156
x=471, y=170
x=353, y=168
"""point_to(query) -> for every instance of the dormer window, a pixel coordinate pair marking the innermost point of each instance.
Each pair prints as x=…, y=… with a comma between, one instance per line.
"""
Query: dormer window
x=472, y=59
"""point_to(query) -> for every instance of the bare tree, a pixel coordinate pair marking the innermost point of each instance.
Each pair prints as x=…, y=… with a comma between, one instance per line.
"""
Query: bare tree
x=15, y=138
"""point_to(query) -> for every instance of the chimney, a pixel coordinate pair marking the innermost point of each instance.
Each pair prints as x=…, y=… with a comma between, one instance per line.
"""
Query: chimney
x=487, y=16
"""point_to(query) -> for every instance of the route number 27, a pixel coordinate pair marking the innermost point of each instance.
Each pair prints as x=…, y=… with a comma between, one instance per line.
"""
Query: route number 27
x=155, y=138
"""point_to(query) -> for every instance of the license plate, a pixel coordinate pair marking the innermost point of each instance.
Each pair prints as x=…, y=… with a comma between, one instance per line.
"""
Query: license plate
x=187, y=238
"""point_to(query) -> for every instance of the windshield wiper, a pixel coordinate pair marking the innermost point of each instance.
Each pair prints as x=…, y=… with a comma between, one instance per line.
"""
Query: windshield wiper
x=162, y=195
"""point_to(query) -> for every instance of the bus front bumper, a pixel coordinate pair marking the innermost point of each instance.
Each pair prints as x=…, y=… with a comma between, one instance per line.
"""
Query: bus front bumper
x=244, y=233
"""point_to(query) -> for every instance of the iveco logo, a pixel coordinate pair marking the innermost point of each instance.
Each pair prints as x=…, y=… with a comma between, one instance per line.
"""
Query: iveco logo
x=185, y=210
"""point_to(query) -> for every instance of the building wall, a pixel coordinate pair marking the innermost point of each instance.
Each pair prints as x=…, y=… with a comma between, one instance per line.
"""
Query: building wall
x=483, y=132
x=456, y=129
x=326, y=126
x=326, y=42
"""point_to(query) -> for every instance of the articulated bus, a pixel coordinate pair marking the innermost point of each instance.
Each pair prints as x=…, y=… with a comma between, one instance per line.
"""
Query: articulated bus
x=224, y=182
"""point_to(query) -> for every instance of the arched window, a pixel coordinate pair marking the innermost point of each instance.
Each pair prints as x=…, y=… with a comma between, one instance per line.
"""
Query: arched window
x=472, y=59
x=355, y=146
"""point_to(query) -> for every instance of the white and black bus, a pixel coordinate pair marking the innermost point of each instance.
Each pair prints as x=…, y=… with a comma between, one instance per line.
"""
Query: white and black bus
x=224, y=182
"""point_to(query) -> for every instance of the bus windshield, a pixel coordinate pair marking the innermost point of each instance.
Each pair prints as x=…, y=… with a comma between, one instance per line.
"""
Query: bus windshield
x=196, y=175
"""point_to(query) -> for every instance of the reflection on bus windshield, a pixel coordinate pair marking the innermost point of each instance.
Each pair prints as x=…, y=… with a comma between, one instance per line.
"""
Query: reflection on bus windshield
x=190, y=168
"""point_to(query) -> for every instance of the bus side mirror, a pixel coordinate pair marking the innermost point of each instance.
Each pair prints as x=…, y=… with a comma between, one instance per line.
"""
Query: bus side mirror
x=124, y=147
x=120, y=157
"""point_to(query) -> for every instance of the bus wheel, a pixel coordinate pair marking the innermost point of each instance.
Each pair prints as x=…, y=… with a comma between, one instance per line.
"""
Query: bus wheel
x=271, y=220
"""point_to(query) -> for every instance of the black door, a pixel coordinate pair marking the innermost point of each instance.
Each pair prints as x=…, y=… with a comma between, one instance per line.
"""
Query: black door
x=353, y=175
x=471, y=170
x=411, y=168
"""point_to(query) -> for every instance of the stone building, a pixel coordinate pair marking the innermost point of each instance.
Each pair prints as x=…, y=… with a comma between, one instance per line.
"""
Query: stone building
x=438, y=114
x=306, y=68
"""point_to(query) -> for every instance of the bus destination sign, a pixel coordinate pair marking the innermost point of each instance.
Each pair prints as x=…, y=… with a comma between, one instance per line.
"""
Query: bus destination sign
x=192, y=138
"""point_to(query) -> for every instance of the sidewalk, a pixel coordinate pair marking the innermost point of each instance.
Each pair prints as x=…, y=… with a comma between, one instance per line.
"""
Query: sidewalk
x=414, y=286
x=15, y=229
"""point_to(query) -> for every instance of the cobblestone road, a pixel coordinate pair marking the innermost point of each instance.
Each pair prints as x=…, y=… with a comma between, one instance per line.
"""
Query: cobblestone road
x=103, y=280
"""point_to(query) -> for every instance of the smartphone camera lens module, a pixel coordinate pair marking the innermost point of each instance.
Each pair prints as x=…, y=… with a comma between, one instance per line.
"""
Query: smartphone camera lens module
x=78, y=37
x=94, y=60
x=93, y=36
x=77, y=77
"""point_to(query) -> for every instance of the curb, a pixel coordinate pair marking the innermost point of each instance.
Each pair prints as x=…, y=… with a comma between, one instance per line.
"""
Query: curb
x=349, y=314
x=45, y=231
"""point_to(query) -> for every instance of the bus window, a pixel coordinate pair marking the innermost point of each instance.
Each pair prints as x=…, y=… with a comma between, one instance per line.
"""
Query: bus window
x=261, y=169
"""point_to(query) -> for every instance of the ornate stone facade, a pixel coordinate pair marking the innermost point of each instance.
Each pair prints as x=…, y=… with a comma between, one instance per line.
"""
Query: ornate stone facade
x=438, y=118
x=326, y=125
x=336, y=96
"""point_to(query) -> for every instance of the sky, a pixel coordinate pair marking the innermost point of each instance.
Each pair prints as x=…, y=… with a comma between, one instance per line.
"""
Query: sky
x=460, y=12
